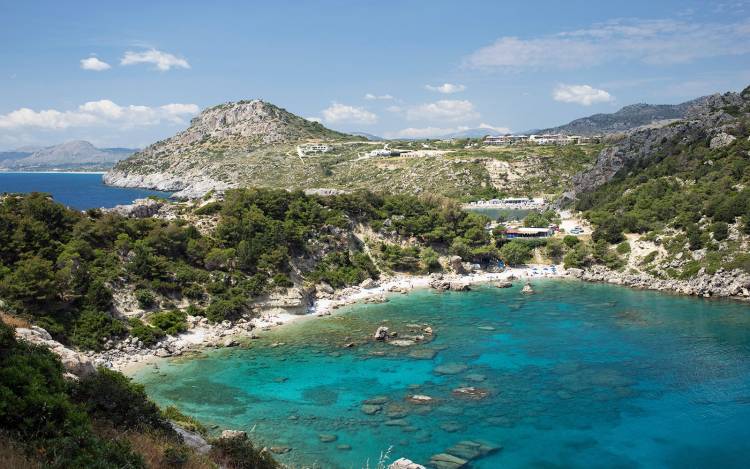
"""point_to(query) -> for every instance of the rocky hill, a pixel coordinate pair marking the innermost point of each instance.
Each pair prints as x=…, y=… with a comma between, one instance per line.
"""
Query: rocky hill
x=710, y=119
x=78, y=154
x=627, y=118
x=254, y=143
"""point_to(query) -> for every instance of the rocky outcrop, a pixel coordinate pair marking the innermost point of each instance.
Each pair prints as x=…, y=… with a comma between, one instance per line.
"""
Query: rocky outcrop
x=721, y=140
x=140, y=208
x=735, y=283
x=705, y=121
x=403, y=463
x=75, y=364
x=193, y=161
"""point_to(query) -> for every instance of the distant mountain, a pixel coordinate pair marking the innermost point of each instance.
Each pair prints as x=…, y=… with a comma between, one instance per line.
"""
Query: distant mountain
x=627, y=118
x=371, y=137
x=77, y=154
x=470, y=133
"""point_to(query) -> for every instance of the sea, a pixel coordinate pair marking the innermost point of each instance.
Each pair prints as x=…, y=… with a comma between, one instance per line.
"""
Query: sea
x=80, y=191
x=576, y=375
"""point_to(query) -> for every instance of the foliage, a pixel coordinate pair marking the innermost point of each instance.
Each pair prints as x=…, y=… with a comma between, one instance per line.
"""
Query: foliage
x=239, y=453
x=515, y=252
x=37, y=411
x=149, y=335
x=171, y=322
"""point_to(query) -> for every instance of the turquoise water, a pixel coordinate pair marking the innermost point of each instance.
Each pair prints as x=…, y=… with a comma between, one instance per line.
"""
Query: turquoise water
x=79, y=191
x=578, y=375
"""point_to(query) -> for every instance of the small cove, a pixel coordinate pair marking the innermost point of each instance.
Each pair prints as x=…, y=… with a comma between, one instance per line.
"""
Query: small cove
x=577, y=375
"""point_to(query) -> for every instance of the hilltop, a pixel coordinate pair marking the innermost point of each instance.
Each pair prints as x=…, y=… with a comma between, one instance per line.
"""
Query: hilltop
x=627, y=118
x=254, y=143
x=77, y=154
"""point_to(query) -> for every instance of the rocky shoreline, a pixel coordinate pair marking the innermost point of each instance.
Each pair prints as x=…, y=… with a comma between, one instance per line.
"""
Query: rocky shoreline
x=733, y=284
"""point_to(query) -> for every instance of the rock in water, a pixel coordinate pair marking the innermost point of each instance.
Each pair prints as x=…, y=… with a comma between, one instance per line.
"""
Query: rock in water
x=381, y=333
x=447, y=461
x=527, y=288
x=403, y=463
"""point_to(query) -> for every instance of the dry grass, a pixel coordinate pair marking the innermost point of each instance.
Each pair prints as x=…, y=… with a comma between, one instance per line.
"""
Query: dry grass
x=152, y=447
x=14, y=321
x=12, y=457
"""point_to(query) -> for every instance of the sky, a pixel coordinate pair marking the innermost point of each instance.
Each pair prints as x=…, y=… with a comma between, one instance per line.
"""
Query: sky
x=130, y=73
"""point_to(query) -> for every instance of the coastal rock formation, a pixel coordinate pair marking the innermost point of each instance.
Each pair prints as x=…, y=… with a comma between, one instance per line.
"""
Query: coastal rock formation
x=381, y=333
x=198, y=159
x=706, y=118
x=403, y=463
x=735, y=283
x=74, y=363
x=140, y=208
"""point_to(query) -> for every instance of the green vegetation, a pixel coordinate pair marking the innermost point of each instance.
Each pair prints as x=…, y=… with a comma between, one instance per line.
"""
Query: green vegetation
x=688, y=197
x=104, y=420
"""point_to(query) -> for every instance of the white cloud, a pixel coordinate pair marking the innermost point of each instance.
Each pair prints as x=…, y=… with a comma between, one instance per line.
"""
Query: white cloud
x=93, y=63
x=314, y=119
x=338, y=112
x=443, y=110
x=97, y=113
x=446, y=88
x=657, y=42
x=161, y=60
x=394, y=108
x=374, y=97
x=584, y=95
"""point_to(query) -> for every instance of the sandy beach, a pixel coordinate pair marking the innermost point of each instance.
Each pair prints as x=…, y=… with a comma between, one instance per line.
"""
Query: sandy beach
x=202, y=334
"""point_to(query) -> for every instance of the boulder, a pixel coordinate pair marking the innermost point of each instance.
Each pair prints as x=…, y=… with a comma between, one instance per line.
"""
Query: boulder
x=368, y=283
x=233, y=435
x=381, y=333
x=456, y=264
x=503, y=284
x=447, y=461
x=403, y=463
x=722, y=140
x=192, y=439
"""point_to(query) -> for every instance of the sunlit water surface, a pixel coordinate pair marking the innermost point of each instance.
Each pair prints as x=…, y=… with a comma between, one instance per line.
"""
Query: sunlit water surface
x=578, y=375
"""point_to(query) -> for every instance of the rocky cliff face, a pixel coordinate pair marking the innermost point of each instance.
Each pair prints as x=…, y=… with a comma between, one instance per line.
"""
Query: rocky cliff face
x=209, y=153
x=713, y=116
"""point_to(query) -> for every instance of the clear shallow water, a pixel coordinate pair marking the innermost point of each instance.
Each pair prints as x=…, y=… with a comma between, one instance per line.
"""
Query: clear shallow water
x=80, y=191
x=579, y=375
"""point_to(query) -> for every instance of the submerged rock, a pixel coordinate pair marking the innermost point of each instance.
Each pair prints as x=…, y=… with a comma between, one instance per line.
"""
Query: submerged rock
x=419, y=399
x=327, y=437
x=371, y=409
x=527, y=288
x=447, y=461
x=470, y=392
x=450, y=368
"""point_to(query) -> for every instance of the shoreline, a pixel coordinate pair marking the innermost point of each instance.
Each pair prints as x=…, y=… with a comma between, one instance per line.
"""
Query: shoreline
x=53, y=172
x=201, y=335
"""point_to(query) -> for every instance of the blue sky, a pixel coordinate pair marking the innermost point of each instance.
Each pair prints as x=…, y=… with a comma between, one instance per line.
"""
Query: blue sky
x=130, y=73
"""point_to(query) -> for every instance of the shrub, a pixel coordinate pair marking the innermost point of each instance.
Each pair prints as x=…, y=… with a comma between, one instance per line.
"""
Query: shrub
x=172, y=322
x=239, y=453
x=93, y=328
x=149, y=335
x=623, y=248
x=515, y=252
x=720, y=231
x=145, y=298
x=112, y=396
x=225, y=309
x=571, y=241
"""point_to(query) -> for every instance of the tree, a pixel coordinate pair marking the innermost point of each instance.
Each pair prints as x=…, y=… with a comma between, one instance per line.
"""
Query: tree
x=515, y=252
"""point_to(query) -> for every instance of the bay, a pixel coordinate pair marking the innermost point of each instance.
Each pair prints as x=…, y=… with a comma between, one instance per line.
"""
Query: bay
x=80, y=191
x=576, y=375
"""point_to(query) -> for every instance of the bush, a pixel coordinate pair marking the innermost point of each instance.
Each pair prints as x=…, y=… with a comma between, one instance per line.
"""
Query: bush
x=623, y=248
x=239, y=453
x=145, y=299
x=515, y=252
x=172, y=322
x=571, y=241
x=720, y=231
x=112, y=396
x=149, y=335
x=225, y=309
x=93, y=328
